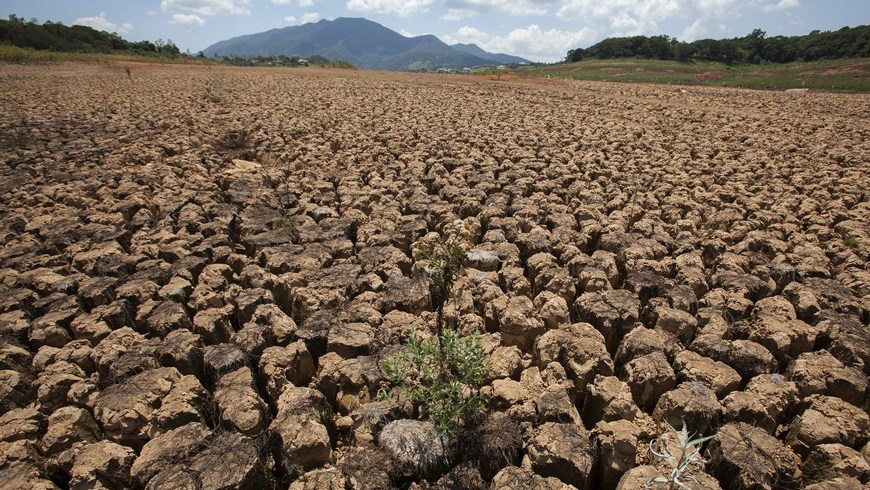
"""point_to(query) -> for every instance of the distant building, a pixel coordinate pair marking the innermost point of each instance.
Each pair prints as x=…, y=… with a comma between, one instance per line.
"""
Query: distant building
x=303, y=62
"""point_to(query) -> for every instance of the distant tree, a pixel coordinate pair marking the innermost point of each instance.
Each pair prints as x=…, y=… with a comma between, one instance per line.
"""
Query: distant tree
x=755, y=47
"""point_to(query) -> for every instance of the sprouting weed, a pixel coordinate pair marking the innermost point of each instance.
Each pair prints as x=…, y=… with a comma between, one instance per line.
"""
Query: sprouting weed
x=688, y=451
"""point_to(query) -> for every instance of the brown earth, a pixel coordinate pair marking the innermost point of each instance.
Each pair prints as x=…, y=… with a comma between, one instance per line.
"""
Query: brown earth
x=201, y=267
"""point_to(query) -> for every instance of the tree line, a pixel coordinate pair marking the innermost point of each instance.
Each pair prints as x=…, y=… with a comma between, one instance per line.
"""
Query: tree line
x=756, y=47
x=55, y=36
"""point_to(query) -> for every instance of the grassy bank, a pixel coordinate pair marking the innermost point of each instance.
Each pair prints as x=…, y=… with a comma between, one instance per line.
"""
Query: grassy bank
x=847, y=75
x=15, y=54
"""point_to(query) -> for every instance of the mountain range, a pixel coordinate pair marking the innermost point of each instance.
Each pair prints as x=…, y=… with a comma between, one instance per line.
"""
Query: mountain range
x=362, y=43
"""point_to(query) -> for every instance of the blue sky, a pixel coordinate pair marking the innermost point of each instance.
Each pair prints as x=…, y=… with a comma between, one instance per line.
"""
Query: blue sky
x=541, y=30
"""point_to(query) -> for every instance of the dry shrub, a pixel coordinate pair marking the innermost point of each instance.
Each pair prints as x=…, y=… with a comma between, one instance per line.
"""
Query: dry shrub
x=369, y=468
x=462, y=477
x=493, y=444
x=235, y=140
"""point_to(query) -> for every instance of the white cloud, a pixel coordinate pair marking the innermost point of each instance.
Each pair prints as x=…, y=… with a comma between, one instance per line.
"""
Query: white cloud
x=187, y=20
x=634, y=17
x=301, y=3
x=310, y=17
x=781, y=5
x=290, y=19
x=101, y=23
x=406, y=33
x=400, y=8
x=206, y=7
x=458, y=14
x=531, y=42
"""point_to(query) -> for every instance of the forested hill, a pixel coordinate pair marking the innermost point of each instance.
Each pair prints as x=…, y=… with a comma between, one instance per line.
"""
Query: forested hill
x=848, y=42
x=58, y=37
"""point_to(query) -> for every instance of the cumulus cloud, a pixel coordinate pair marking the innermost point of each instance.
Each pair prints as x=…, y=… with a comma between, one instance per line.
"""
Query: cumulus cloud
x=290, y=19
x=187, y=20
x=206, y=7
x=530, y=42
x=310, y=17
x=458, y=14
x=633, y=17
x=400, y=8
x=101, y=23
x=301, y=3
x=406, y=33
x=781, y=5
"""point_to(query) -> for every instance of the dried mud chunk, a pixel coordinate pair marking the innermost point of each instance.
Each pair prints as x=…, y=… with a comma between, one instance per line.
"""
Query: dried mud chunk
x=350, y=339
x=676, y=323
x=766, y=402
x=125, y=410
x=613, y=313
x=102, y=464
x=805, y=303
x=349, y=382
x=829, y=461
x=214, y=325
x=51, y=329
x=137, y=291
x=837, y=484
x=690, y=366
x=518, y=323
x=693, y=402
x=221, y=359
x=21, y=423
x=283, y=366
x=639, y=342
x=401, y=293
x=617, y=450
x=247, y=301
x=299, y=433
x=16, y=390
x=846, y=338
x=165, y=450
x=483, y=260
x=563, y=451
x=23, y=468
x=97, y=291
x=183, y=404
x=785, y=339
x=512, y=477
x=645, y=285
x=331, y=479
x=53, y=385
x=116, y=314
x=241, y=407
x=416, y=446
x=166, y=317
x=182, y=350
x=750, y=359
x=609, y=399
x=579, y=348
x=69, y=427
x=835, y=296
x=750, y=458
x=649, y=377
x=553, y=310
x=821, y=373
x=90, y=327
x=826, y=420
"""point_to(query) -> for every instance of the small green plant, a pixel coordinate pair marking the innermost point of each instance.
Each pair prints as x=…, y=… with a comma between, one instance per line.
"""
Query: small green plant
x=850, y=242
x=443, y=374
x=687, y=451
x=446, y=261
x=284, y=222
